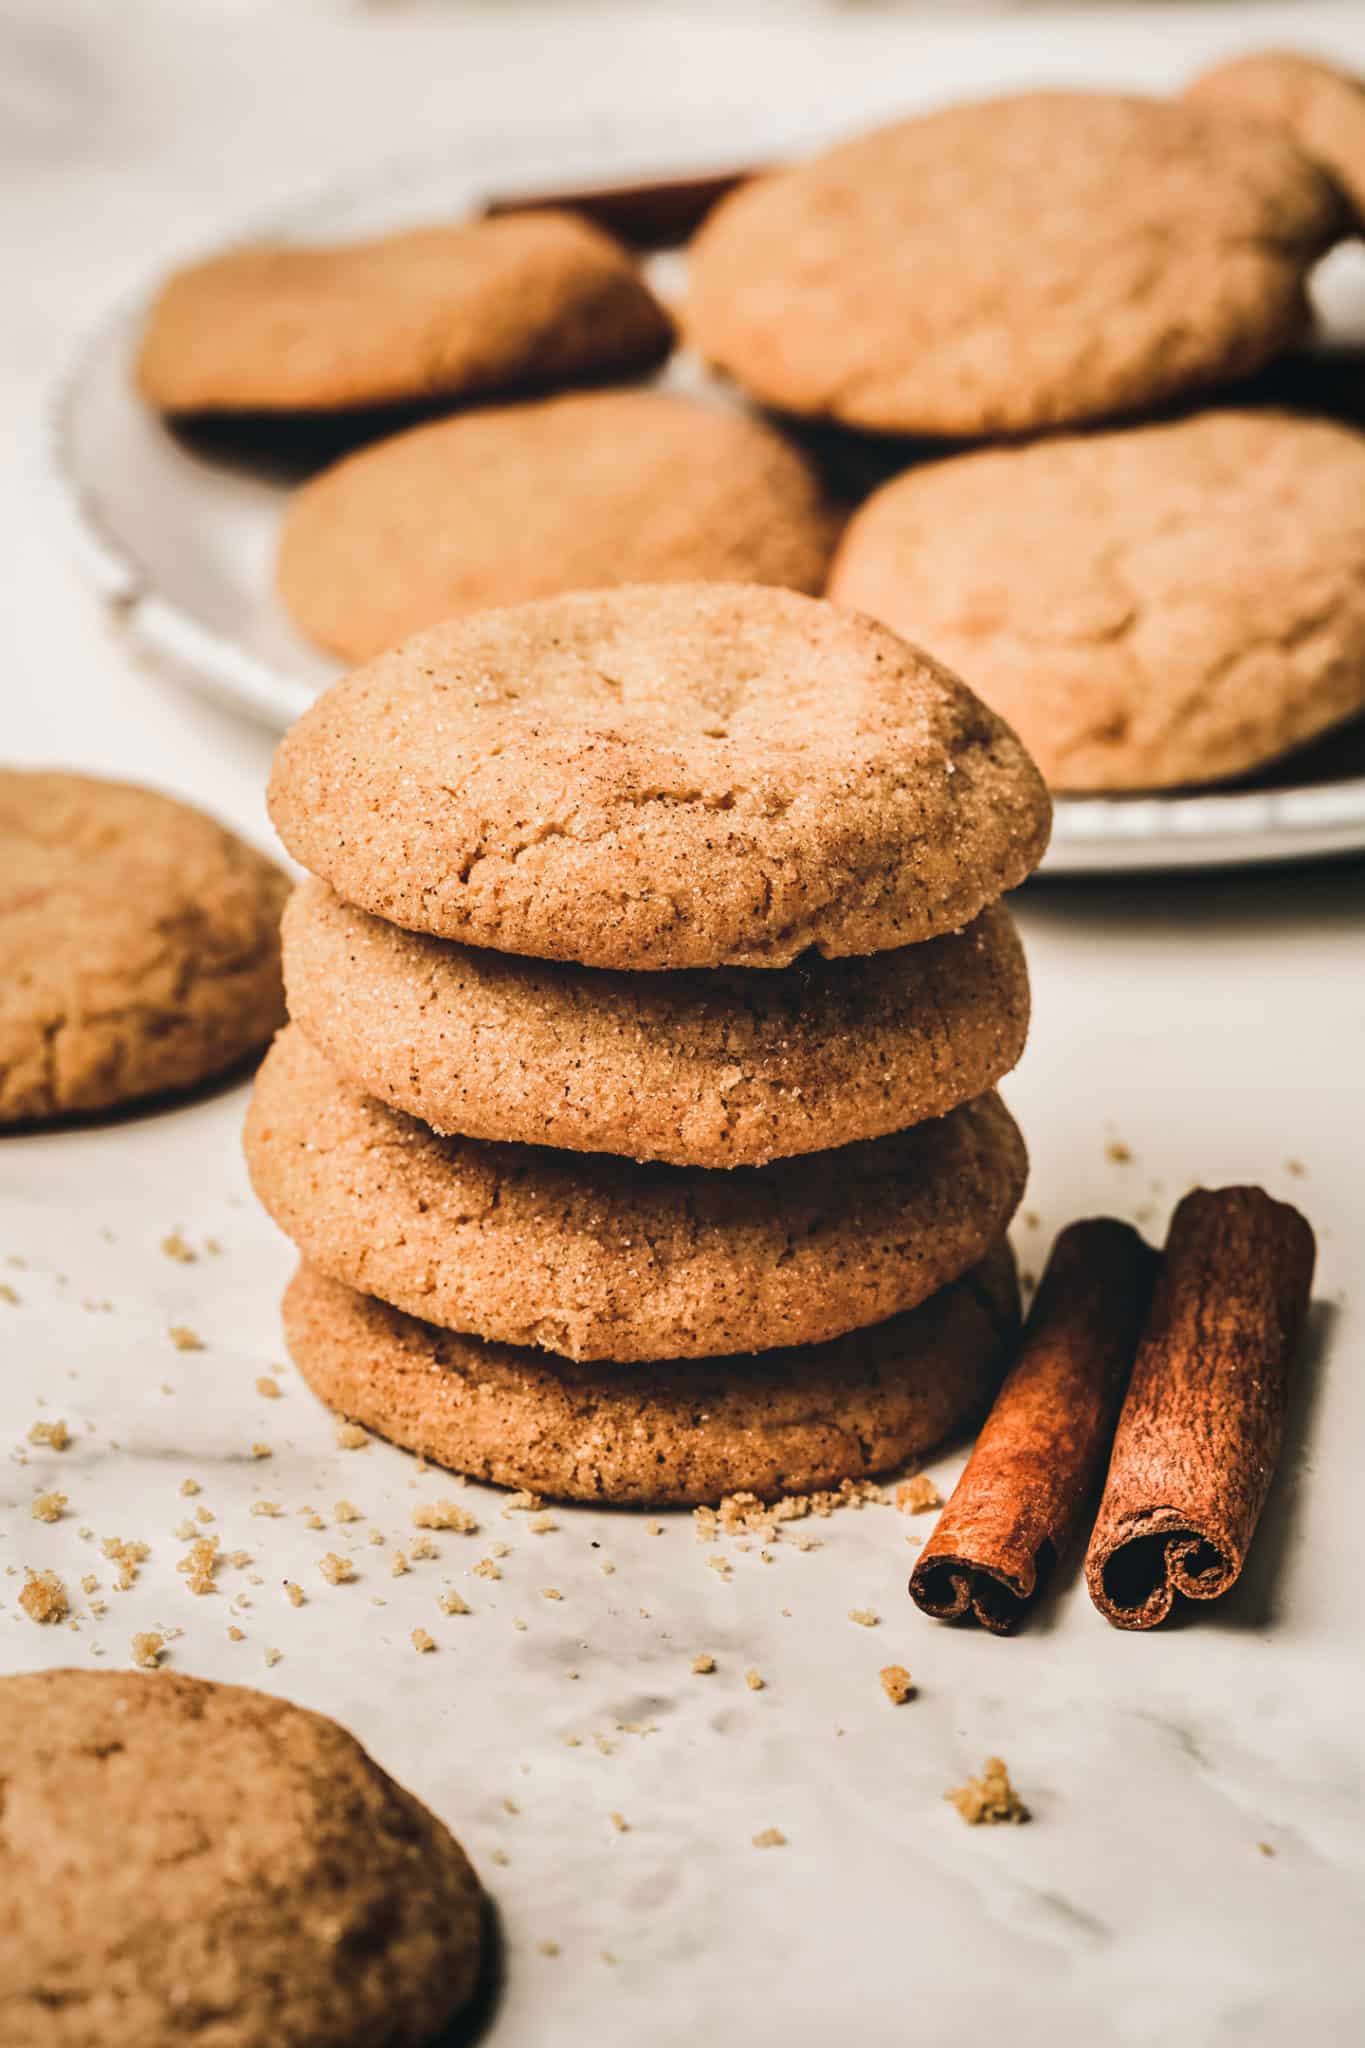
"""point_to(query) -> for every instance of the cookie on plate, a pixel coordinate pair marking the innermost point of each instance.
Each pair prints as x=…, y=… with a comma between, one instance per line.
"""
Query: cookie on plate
x=1160, y=605
x=675, y=775
x=788, y=1421
x=508, y=503
x=183, y=1861
x=597, y=1257
x=1322, y=107
x=139, y=945
x=443, y=312
x=729, y=1068
x=1014, y=264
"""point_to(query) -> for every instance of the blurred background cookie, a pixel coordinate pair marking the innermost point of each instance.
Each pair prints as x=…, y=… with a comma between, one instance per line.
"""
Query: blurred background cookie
x=1151, y=607
x=435, y=312
x=500, y=505
x=139, y=945
x=1319, y=104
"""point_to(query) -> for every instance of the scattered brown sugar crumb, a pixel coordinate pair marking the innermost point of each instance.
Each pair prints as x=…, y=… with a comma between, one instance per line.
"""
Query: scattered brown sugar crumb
x=200, y=1564
x=989, y=1800
x=913, y=1496
x=351, y=1437
x=745, y=1514
x=204, y=1514
x=176, y=1248
x=522, y=1503
x=445, y=1514
x=451, y=1603
x=266, y=1507
x=43, y=1598
x=486, y=1569
x=1298, y=1169
x=347, y=1511
x=864, y=1616
x=47, y=1507
x=147, y=1648
x=398, y=1564
x=336, y=1570
x=375, y=1536
x=754, y=1680
x=294, y=1593
x=184, y=1338
x=620, y=1823
x=1117, y=1153
x=127, y=1556
x=312, y=1519
x=55, y=1435
x=268, y=1387
x=542, y=1525
x=9, y=1294
x=721, y=1566
x=422, y=1547
x=510, y=1806
x=239, y=1560
x=502, y=1550
x=703, y=1663
x=235, y=1634
x=422, y=1641
x=1265, y=1848
x=189, y=1487
x=897, y=1684
x=770, y=1838
x=272, y=1657
x=550, y=1593
x=548, y=1948
x=90, y=1584
x=261, y=1451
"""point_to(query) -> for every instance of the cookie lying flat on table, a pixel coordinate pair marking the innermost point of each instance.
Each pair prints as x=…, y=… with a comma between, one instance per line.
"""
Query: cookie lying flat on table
x=661, y=1435
x=676, y=775
x=1321, y=106
x=435, y=312
x=139, y=945
x=596, y=1257
x=1013, y=264
x=728, y=1068
x=1161, y=605
x=516, y=502
x=183, y=1861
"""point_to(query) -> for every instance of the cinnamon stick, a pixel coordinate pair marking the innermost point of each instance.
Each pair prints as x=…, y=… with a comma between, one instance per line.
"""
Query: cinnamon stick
x=1039, y=1457
x=655, y=214
x=1203, y=1421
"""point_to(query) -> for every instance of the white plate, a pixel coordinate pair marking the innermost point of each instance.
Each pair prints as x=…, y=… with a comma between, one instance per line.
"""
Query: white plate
x=180, y=539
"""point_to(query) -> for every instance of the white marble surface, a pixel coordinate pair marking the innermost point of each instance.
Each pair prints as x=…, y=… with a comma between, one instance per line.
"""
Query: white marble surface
x=1218, y=1029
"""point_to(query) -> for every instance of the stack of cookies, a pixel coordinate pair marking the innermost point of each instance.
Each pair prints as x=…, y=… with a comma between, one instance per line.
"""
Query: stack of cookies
x=636, y=1120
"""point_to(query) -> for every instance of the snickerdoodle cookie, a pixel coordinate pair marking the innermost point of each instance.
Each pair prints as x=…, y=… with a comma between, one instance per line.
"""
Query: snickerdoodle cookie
x=673, y=775
x=515, y=502
x=1322, y=107
x=435, y=312
x=1014, y=264
x=598, y=1257
x=785, y=1422
x=139, y=945
x=1161, y=605
x=182, y=1861
x=729, y=1068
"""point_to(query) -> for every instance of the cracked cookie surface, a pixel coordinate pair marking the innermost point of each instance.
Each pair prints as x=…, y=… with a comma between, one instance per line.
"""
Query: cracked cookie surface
x=1013, y=264
x=139, y=945
x=510, y=503
x=680, y=775
x=728, y=1067
x=596, y=1257
x=788, y=1421
x=189, y=1862
x=1322, y=107
x=1157, y=606
x=452, y=311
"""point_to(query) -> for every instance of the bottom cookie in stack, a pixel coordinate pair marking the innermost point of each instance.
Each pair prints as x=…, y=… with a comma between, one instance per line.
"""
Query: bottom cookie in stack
x=676, y=1433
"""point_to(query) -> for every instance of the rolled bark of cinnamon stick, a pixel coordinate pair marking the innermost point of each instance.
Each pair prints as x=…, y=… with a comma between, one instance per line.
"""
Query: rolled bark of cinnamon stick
x=1202, y=1424
x=1039, y=1457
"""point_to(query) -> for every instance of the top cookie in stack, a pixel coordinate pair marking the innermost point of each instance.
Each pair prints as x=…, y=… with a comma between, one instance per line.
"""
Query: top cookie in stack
x=613, y=891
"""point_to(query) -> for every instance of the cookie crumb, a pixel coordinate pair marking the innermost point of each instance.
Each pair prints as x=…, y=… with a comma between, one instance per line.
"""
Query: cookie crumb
x=268, y=1387
x=422, y=1641
x=1297, y=1168
x=445, y=1514
x=550, y=1593
x=184, y=1338
x=620, y=1823
x=188, y=1487
x=1265, y=1848
x=500, y=1857
x=235, y=1634
x=294, y=1593
x=55, y=1435
x=754, y=1680
x=522, y=1502
x=43, y=1598
x=989, y=1800
x=270, y=1508
x=450, y=1602
x=175, y=1247
x=770, y=1838
x=703, y=1663
x=1117, y=1153
x=346, y=1511
x=422, y=1547
x=127, y=1556
x=542, y=1525
x=486, y=1569
x=864, y=1616
x=913, y=1496
x=548, y=1948
x=200, y=1564
x=336, y=1570
x=351, y=1437
x=897, y=1684
x=9, y=1294
x=398, y=1564
x=261, y=1451
x=272, y=1657
x=147, y=1648
x=47, y=1507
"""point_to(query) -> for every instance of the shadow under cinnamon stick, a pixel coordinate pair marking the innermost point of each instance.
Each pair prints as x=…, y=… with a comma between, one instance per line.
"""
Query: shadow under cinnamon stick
x=1037, y=1462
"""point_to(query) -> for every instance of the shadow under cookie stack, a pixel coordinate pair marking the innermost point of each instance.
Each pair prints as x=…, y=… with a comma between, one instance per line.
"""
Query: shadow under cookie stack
x=636, y=1122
